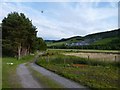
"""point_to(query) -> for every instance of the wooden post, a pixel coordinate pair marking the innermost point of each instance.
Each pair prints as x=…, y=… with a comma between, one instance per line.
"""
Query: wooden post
x=48, y=58
x=115, y=58
x=88, y=57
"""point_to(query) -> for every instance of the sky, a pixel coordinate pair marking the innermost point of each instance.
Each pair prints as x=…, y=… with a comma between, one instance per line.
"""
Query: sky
x=66, y=19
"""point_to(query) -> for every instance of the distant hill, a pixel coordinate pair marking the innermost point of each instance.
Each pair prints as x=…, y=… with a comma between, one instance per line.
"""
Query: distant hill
x=110, y=38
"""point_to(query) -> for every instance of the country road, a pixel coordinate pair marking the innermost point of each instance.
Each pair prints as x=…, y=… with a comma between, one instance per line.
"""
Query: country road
x=28, y=81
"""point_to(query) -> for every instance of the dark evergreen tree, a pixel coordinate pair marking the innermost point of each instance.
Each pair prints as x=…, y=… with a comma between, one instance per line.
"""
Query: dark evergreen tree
x=41, y=45
x=18, y=34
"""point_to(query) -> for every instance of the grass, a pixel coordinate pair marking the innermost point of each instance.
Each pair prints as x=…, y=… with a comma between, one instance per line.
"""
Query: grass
x=56, y=58
x=92, y=76
x=96, y=56
x=85, y=51
x=73, y=40
x=91, y=73
x=43, y=80
x=9, y=76
x=55, y=44
x=105, y=41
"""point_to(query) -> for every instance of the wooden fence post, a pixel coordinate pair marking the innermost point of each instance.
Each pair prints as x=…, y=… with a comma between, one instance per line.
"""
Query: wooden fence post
x=88, y=57
x=115, y=58
x=48, y=58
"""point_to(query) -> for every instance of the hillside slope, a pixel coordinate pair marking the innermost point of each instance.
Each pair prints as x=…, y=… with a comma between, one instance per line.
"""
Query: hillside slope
x=108, y=38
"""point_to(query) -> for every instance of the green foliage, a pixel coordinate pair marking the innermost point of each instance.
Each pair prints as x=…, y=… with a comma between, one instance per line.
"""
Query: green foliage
x=63, y=59
x=19, y=35
x=112, y=40
x=40, y=44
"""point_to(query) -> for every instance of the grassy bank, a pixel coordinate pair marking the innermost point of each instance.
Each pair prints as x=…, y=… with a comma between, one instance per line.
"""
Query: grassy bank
x=43, y=80
x=9, y=76
x=92, y=73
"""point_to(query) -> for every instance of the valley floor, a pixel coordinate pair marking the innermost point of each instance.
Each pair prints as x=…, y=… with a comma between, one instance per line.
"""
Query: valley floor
x=25, y=73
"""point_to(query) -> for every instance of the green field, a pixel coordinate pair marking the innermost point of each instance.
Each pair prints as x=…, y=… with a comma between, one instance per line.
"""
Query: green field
x=72, y=40
x=91, y=73
x=106, y=41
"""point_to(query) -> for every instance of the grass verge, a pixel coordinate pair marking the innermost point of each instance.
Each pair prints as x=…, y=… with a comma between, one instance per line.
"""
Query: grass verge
x=43, y=80
x=91, y=73
x=9, y=76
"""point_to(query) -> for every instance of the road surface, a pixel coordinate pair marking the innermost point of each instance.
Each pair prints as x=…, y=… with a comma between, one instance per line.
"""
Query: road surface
x=28, y=81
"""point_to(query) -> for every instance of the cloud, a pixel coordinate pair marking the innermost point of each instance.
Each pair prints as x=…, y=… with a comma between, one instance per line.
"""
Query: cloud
x=67, y=19
x=60, y=0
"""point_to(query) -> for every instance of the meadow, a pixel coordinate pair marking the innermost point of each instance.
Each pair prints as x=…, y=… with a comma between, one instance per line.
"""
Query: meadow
x=98, y=56
x=92, y=73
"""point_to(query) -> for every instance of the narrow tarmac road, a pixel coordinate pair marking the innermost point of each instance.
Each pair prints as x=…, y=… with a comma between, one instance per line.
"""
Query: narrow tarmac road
x=27, y=80
x=57, y=78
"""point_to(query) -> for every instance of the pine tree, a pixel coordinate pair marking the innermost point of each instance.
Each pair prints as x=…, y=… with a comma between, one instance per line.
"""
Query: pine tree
x=19, y=35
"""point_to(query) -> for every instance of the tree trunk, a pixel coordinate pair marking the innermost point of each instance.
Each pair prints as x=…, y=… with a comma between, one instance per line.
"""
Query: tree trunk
x=25, y=52
x=19, y=52
x=28, y=49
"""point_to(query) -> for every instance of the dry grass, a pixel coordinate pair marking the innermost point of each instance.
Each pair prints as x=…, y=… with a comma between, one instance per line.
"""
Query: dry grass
x=98, y=56
x=79, y=65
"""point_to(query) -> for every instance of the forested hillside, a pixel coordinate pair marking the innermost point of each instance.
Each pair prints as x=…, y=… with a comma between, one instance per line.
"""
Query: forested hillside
x=19, y=36
x=103, y=40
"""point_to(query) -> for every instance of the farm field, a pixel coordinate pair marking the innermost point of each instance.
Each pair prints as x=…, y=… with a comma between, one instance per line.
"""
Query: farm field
x=86, y=50
x=98, y=56
x=92, y=73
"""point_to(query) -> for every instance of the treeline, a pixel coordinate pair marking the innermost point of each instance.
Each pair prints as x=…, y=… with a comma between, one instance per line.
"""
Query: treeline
x=19, y=36
x=96, y=47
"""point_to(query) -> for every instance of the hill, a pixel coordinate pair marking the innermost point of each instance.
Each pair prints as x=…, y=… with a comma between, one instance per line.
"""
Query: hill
x=101, y=39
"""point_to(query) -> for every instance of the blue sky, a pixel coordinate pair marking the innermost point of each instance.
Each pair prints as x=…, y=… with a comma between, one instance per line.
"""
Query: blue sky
x=66, y=19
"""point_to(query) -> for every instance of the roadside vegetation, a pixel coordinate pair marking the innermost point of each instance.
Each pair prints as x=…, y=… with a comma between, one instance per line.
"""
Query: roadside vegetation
x=9, y=76
x=91, y=73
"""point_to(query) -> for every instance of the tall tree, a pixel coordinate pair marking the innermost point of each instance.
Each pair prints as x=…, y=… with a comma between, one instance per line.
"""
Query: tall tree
x=19, y=34
x=40, y=44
